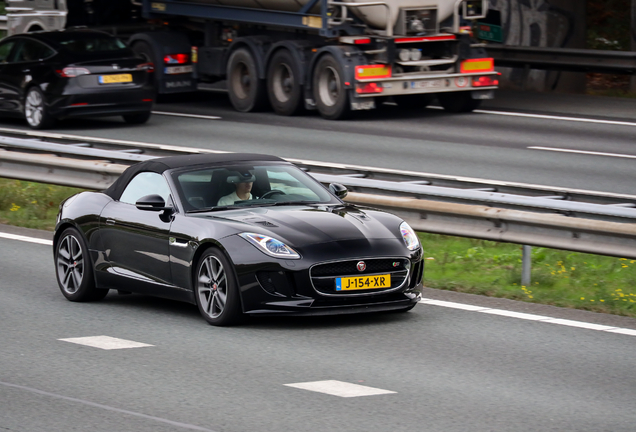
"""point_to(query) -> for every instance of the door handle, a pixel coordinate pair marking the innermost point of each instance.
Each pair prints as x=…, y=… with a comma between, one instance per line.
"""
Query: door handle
x=110, y=221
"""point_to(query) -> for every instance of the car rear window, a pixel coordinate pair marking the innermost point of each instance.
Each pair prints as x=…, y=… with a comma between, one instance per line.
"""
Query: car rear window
x=93, y=44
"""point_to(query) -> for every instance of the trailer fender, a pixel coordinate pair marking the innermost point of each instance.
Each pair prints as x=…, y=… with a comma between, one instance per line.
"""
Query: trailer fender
x=258, y=46
x=163, y=43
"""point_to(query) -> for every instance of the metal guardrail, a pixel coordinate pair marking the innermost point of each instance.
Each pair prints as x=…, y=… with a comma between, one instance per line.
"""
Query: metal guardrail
x=3, y=22
x=564, y=59
x=549, y=217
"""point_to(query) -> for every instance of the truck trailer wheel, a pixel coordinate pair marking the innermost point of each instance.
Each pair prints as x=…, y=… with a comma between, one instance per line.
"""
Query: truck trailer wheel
x=247, y=92
x=145, y=51
x=458, y=102
x=283, y=84
x=332, y=98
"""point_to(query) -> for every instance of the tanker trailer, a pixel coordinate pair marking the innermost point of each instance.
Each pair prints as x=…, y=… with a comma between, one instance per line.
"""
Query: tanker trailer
x=334, y=56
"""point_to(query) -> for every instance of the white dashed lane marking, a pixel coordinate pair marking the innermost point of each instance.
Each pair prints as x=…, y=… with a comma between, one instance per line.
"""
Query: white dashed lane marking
x=26, y=239
x=339, y=388
x=530, y=317
x=105, y=342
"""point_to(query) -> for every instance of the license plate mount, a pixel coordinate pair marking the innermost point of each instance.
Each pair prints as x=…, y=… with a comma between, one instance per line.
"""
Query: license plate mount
x=426, y=84
x=369, y=282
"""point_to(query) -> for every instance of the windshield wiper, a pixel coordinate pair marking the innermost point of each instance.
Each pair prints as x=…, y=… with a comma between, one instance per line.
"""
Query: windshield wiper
x=217, y=208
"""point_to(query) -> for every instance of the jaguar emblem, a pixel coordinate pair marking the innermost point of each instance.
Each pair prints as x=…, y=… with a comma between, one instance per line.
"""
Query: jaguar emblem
x=361, y=266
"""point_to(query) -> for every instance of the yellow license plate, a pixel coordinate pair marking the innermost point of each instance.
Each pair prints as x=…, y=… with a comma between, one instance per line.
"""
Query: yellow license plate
x=119, y=78
x=363, y=282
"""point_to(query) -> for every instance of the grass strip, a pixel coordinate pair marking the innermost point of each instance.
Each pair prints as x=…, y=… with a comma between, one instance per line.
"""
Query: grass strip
x=560, y=278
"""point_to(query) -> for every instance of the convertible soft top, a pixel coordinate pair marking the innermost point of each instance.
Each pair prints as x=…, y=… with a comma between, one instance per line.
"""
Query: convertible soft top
x=160, y=165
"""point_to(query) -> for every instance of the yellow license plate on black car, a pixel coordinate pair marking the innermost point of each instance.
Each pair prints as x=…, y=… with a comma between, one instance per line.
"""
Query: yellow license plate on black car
x=111, y=79
x=363, y=282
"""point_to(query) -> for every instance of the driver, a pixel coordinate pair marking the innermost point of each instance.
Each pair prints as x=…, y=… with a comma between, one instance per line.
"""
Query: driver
x=243, y=188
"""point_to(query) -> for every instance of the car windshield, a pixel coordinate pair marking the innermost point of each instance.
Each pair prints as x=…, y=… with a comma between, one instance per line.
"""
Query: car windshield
x=230, y=187
x=92, y=43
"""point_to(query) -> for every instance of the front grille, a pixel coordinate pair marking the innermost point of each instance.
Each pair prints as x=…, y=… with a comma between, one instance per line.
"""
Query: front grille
x=323, y=276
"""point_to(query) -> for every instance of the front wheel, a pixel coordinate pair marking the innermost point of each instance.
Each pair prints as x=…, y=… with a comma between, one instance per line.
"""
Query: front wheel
x=217, y=294
x=74, y=270
x=35, y=110
x=330, y=92
x=458, y=102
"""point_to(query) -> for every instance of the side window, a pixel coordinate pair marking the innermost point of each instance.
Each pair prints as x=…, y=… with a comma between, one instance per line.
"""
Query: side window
x=5, y=50
x=145, y=183
x=31, y=50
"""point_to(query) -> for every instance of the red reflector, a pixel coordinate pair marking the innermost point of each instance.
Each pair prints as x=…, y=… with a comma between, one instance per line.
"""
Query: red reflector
x=362, y=41
x=80, y=104
x=146, y=100
x=176, y=59
x=485, y=81
x=425, y=39
x=148, y=67
x=362, y=88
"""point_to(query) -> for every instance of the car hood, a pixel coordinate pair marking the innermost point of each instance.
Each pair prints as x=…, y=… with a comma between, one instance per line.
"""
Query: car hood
x=300, y=226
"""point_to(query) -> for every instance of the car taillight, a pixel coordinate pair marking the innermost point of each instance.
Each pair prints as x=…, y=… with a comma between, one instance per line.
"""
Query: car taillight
x=485, y=81
x=362, y=88
x=176, y=59
x=71, y=72
x=148, y=67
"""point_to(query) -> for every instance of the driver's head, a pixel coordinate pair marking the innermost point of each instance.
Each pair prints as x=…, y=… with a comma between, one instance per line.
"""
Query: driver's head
x=243, y=188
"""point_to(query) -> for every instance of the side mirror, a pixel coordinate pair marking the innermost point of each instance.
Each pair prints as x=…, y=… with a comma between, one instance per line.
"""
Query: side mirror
x=152, y=202
x=338, y=190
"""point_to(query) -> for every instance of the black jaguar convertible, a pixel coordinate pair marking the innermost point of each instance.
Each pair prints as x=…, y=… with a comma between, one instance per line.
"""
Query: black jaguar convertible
x=235, y=234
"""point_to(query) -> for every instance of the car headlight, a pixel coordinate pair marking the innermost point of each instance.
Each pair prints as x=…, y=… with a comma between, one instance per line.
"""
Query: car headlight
x=409, y=236
x=271, y=246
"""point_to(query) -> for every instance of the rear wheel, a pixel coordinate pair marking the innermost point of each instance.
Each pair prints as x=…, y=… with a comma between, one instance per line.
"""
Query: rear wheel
x=330, y=93
x=216, y=289
x=35, y=110
x=138, y=118
x=458, y=102
x=283, y=84
x=247, y=92
x=74, y=269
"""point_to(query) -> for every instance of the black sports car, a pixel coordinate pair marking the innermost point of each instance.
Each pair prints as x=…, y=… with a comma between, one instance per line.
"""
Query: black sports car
x=49, y=75
x=235, y=234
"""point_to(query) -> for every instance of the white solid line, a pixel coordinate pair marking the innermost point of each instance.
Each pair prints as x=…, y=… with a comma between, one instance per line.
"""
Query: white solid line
x=206, y=117
x=547, y=117
x=108, y=408
x=105, y=342
x=586, y=152
x=530, y=317
x=26, y=239
x=339, y=388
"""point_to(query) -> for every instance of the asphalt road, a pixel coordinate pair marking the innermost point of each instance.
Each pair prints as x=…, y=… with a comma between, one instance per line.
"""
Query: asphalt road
x=495, y=143
x=451, y=370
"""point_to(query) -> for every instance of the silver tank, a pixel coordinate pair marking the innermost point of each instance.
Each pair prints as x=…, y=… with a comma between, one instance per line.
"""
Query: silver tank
x=375, y=16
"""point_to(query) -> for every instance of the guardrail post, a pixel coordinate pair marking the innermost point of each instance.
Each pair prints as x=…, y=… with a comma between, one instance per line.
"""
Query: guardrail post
x=526, y=261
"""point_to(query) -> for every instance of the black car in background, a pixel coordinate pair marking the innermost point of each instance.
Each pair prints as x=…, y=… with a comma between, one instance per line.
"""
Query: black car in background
x=46, y=76
x=179, y=228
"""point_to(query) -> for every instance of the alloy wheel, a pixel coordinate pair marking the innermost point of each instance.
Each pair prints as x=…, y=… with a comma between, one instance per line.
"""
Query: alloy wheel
x=34, y=108
x=70, y=264
x=212, y=287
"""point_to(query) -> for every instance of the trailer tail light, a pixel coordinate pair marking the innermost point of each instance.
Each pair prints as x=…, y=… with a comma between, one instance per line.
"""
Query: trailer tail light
x=72, y=72
x=355, y=40
x=373, y=71
x=477, y=65
x=176, y=59
x=366, y=88
x=485, y=81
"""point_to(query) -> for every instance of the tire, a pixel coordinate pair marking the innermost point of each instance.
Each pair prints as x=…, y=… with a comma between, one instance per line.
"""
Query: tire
x=145, y=51
x=330, y=94
x=139, y=118
x=283, y=84
x=247, y=92
x=36, y=112
x=458, y=102
x=216, y=290
x=74, y=269
x=412, y=102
